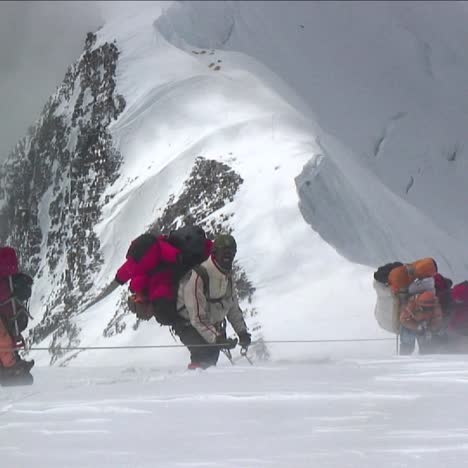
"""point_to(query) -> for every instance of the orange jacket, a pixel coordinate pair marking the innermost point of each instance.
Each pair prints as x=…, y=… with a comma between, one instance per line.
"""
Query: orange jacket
x=413, y=314
x=7, y=357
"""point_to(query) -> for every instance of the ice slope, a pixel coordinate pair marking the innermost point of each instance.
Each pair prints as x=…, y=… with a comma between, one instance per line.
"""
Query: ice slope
x=346, y=413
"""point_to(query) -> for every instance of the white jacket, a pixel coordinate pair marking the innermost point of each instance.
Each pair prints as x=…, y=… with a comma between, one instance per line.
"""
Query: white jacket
x=206, y=313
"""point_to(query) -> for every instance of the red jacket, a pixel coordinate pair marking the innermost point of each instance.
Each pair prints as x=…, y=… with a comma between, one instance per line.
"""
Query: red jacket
x=155, y=275
x=459, y=319
x=8, y=267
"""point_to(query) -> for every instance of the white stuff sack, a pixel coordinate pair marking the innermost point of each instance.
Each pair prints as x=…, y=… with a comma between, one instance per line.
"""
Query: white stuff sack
x=421, y=285
x=386, y=308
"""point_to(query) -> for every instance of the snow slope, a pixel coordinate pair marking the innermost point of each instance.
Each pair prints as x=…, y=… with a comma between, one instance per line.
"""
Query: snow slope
x=347, y=413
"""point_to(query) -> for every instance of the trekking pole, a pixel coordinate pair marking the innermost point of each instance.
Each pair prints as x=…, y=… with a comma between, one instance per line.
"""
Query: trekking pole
x=397, y=343
x=243, y=353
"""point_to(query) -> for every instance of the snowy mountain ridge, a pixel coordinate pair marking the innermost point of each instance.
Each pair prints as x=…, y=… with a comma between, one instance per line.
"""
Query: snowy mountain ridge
x=293, y=127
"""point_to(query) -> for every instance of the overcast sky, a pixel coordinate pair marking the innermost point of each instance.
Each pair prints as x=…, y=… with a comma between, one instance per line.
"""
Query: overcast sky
x=38, y=41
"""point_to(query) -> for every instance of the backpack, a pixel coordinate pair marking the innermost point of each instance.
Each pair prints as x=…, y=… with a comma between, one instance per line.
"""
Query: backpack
x=8, y=262
x=15, y=289
x=401, y=277
x=419, y=286
x=192, y=243
x=140, y=246
x=394, y=283
x=387, y=308
x=190, y=240
x=13, y=307
x=458, y=322
x=460, y=293
x=381, y=275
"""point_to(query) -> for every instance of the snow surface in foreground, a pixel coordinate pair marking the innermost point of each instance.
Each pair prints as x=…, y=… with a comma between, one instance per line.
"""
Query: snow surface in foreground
x=346, y=413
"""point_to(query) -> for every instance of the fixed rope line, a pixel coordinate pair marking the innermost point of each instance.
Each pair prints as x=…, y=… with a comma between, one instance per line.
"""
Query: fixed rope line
x=98, y=348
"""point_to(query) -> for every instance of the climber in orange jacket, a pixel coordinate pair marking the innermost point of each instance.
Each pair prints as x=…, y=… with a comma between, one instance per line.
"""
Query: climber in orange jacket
x=420, y=318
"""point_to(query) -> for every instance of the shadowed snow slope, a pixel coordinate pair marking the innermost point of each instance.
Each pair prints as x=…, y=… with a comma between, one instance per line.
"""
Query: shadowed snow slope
x=349, y=118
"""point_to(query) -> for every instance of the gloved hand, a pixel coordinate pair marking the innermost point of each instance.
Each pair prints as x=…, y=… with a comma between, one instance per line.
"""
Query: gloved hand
x=245, y=339
x=226, y=343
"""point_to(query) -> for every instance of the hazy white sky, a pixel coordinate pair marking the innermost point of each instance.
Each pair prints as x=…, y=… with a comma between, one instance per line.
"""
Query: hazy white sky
x=38, y=41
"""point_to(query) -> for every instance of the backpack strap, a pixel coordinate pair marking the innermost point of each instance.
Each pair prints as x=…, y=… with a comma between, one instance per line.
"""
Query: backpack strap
x=203, y=273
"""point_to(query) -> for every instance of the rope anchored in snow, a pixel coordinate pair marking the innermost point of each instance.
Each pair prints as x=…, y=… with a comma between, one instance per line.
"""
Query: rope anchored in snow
x=282, y=342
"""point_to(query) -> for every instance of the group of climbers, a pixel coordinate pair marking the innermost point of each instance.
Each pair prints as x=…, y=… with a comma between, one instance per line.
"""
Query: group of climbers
x=184, y=281
x=420, y=305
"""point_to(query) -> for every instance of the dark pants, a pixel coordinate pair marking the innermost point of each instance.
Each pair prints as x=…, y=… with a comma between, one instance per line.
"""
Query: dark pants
x=407, y=341
x=204, y=356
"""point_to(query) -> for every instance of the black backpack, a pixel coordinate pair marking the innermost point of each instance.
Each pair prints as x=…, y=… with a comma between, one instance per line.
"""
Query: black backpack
x=190, y=240
x=17, y=321
x=22, y=286
x=381, y=275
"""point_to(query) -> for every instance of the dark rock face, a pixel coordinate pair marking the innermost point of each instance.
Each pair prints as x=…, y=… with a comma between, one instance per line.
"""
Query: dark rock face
x=55, y=177
x=210, y=186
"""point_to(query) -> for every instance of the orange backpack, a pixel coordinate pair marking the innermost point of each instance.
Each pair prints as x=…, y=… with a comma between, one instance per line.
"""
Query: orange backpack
x=401, y=277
